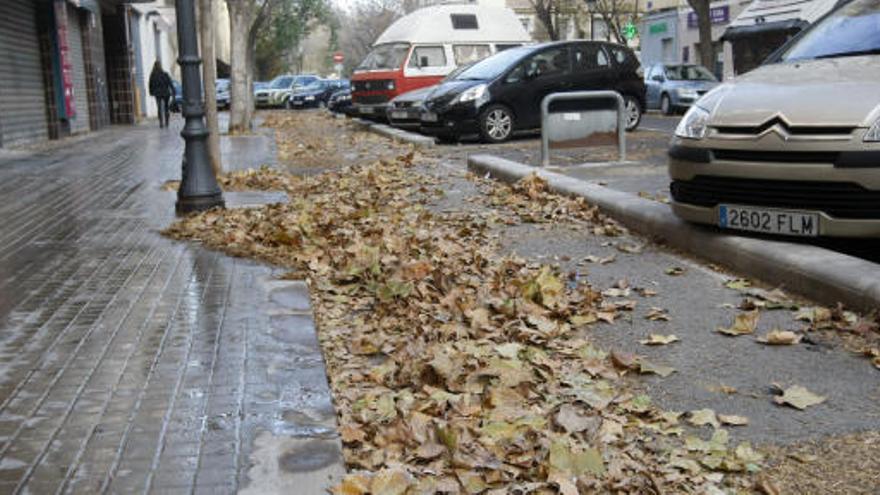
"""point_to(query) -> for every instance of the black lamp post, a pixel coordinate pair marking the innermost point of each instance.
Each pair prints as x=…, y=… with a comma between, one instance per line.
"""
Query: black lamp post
x=198, y=186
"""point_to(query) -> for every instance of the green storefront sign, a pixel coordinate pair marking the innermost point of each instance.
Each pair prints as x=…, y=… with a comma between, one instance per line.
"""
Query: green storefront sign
x=658, y=28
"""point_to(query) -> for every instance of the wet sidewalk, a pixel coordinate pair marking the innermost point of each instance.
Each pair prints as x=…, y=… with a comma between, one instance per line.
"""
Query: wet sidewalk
x=130, y=363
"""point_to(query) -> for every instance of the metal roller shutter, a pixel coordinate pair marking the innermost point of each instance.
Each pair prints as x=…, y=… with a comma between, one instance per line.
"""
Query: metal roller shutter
x=80, y=89
x=22, y=93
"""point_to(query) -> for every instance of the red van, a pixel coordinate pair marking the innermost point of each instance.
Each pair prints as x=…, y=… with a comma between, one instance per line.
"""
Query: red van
x=421, y=48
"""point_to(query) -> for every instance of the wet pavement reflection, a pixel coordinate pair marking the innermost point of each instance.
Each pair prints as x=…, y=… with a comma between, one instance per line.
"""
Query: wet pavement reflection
x=132, y=363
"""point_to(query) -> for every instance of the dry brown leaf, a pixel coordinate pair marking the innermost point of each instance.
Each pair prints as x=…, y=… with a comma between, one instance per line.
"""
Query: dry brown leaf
x=656, y=339
x=745, y=323
x=733, y=420
x=798, y=397
x=780, y=337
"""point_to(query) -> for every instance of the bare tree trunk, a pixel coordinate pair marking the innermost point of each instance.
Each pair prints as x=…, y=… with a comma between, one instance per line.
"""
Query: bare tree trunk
x=209, y=76
x=240, y=12
x=251, y=61
x=704, y=23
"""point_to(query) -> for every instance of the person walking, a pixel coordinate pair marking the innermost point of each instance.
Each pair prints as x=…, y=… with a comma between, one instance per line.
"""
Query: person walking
x=161, y=89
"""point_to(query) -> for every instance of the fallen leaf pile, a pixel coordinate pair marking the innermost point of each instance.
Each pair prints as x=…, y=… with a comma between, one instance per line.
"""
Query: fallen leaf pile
x=264, y=178
x=455, y=369
x=317, y=139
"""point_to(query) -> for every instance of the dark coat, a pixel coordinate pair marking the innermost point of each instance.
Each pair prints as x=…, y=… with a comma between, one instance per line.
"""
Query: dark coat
x=160, y=84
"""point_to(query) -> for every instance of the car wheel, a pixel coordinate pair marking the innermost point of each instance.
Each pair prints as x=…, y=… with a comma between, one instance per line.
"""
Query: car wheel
x=632, y=112
x=496, y=124
x=666, y=105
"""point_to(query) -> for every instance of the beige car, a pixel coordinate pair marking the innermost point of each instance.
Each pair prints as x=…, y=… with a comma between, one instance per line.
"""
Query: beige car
x=793, y=147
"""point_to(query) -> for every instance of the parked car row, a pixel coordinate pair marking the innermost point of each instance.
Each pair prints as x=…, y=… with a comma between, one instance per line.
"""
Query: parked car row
x=501, y=94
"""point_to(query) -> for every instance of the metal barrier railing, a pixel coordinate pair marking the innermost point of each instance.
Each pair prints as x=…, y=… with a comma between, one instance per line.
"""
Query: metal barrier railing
x=583, y=126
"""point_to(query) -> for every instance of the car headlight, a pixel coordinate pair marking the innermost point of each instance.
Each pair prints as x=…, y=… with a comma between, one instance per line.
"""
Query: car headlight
x=693, y=124
x=687, y=92
x=873, y=134
x=476, y=93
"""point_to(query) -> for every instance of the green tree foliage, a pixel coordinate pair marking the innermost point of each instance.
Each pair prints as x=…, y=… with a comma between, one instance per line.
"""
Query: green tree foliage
x=278, y=42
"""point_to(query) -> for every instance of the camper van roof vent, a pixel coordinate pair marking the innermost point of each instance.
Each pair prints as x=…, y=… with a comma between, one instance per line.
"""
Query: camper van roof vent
x=464, y=21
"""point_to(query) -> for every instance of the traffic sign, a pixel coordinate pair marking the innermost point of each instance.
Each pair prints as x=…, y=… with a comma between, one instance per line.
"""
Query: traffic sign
x=338, y=57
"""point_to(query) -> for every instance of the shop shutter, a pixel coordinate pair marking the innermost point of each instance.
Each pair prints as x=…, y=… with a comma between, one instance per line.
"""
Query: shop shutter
x=80, y=89
x=22, y=92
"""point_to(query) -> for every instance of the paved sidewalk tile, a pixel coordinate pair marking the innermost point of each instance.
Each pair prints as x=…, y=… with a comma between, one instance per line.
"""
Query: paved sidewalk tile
x=136, y=364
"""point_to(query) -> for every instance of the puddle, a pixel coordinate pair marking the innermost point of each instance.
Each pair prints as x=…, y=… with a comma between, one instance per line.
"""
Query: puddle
x=284, y=465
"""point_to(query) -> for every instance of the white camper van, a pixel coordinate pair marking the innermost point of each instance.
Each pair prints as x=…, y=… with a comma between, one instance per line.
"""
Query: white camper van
x=421, y=48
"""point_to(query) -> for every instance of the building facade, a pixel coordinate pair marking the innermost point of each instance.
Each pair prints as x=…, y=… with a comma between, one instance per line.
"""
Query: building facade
x=54, y=70
x=669, y=34
x=766, y=25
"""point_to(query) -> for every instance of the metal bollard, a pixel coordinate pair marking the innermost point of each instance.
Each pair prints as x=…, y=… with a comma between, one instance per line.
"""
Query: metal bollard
x=582, y=96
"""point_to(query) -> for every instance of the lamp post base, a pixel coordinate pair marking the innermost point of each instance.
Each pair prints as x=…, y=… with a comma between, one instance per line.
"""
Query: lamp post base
x=195, y=204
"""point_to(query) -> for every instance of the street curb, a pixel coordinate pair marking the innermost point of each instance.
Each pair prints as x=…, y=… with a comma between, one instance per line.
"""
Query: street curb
x=819, y=274
x=397, y=134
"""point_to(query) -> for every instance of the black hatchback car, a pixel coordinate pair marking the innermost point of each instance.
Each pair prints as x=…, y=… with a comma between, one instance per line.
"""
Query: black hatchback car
x=317, y=93
x=503, y=93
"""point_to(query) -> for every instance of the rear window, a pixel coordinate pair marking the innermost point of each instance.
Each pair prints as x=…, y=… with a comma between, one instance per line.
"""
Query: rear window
x=622, y=56
x=466, y=54
x=502, y=47
x=464, y=21
x=590, y=57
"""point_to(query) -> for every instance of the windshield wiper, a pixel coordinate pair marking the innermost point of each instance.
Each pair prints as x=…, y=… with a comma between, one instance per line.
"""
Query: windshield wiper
x=854, y=53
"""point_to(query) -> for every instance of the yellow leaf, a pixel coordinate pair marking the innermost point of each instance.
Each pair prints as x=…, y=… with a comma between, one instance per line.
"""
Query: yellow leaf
x=390, y=482
x=799, y=397
x=780, y=337
x=656, y=339
x=733, y=420
x=745, y=323
x=353, y=484
x=702, y=417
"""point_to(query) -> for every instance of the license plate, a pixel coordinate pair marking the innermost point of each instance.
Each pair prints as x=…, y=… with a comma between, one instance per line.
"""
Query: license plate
x=399, y=115
x=366, y=109
x=297, y=102
x=429, y=117
x=768, y=220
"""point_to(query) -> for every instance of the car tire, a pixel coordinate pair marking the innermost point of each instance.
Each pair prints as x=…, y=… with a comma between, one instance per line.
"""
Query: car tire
x=632, y=112
x=666, y=105
x=496, y=124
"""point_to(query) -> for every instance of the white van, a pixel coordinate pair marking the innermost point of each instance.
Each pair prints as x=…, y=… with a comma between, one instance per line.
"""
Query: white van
x=421, y=48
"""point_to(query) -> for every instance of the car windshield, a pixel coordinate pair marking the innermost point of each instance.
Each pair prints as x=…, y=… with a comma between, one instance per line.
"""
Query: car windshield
x=494, y=66
x=456, y=71
x=851, y=30
x=281, y=82
x=222, y=85
x=688, y=73
x=315, y=86
x=385, y=57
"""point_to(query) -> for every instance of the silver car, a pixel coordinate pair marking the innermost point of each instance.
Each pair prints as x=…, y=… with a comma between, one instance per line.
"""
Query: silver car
x=671, y=88
x=793, y=147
